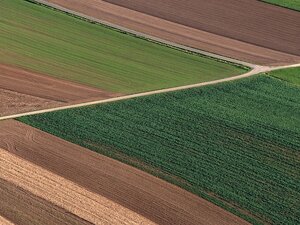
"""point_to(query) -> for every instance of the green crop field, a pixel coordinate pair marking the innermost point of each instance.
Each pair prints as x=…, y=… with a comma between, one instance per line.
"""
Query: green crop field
x=50, y=42
x=291, y=75
x=236, y=144
x=291, y=4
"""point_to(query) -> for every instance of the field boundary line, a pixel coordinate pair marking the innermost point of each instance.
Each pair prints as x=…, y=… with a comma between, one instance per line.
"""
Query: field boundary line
x=147, y=37
x=255, y=71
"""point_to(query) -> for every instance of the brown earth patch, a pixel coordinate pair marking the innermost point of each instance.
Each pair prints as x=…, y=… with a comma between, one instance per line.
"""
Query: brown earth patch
x=247, y=30
x=22, y=91
x=12, y=102
x=64, y=201
x=24, y=208
x=133, y=189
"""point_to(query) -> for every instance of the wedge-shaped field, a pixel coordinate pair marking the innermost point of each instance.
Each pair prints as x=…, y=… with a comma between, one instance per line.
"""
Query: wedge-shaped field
x=236, y=144
x=50, y=42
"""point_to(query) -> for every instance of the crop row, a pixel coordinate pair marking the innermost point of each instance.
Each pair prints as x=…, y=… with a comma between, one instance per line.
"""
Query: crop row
x=236, y=144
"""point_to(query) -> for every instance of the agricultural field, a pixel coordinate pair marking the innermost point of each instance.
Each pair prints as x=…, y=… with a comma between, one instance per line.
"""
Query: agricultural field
x=250, y=22
x=23, y=91
x=235, y=144
x=73, y=49
x=204, y=25
x=291, y=4
x=46, y=173
x=205, y=140
x=291, y=75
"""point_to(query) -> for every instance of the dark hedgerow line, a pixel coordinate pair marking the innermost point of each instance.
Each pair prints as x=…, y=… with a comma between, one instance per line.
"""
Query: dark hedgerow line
x=235, y=144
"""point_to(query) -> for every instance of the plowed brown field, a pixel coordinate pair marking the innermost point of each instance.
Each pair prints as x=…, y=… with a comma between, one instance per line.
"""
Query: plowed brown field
x=37, y=161
x=23, y=207
x=12, y=102
x=247, y=30
x=22, y=91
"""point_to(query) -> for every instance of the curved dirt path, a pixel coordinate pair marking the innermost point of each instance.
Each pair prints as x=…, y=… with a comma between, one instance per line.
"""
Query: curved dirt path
x=256, y=70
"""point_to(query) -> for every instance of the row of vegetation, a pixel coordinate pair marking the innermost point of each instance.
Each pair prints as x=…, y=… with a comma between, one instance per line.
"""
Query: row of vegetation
x=54, y=43
x=291, y=4
x=236, y=144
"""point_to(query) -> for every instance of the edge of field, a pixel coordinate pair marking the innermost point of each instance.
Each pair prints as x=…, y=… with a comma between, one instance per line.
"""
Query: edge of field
x=246, y=66
x=279, y=5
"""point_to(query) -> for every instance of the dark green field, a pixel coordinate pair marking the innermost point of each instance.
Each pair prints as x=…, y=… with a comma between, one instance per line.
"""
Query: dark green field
x=56, y=44
x=291, y=75
x=236, y=144
x=291, y=4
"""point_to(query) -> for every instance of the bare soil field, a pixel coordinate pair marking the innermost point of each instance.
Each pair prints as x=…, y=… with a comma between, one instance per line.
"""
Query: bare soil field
x=30, y=83
x=22, y=207
x=43, y=193
x=22, y=91
x=130, y=189
x=247, y=30
x=13, y=102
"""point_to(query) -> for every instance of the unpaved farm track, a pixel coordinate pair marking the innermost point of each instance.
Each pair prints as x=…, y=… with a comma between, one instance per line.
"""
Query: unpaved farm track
x=256, y=70
x=22, y=90
x=35, y=161
x=209, y=28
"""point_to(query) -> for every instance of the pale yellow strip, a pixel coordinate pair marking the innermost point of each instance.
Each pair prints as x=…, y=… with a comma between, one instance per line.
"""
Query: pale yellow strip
x=4, y=221
x=64, y=193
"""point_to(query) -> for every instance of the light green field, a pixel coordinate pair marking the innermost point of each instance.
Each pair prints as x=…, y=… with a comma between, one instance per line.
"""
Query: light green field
x=54, y=43
x=291, y=75
x=292, y=4
x=236, y=144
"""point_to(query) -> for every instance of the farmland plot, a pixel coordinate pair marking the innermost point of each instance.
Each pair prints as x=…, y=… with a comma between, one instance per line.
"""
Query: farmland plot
x=235, y=144
x=53, y=43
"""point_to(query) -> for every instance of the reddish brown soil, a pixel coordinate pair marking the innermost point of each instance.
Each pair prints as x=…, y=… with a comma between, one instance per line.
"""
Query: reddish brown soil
x=247, y=30
x=46, y=198
x=138, y=191
x=27, y=82
x=12, y=102
x=24, y=208
x=245, y=20
x=22, y=91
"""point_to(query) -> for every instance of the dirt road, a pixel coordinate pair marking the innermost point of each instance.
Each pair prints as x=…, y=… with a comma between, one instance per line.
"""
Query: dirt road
x=256, y=70
x=167, y=30
x=104, y=189
x=22, y=91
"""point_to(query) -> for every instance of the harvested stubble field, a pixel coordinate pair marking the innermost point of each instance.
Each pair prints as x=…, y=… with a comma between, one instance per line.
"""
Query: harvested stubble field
x=32, y=195
x=235, y=144
x=119, y=193
x=69, y=48
x=152, y=17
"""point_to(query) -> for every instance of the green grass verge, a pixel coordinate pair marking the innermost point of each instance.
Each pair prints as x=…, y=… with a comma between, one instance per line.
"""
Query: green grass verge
x=54, y=43
x=236, y=144
x=291, y=75
x=290, y=4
